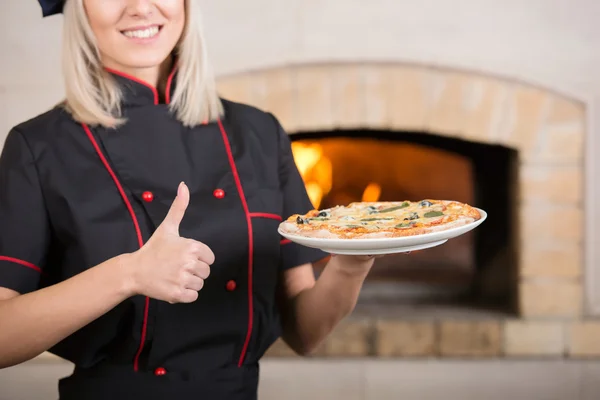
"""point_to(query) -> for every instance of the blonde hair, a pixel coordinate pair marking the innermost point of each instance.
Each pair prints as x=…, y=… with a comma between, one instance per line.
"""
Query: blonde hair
x=92, y=95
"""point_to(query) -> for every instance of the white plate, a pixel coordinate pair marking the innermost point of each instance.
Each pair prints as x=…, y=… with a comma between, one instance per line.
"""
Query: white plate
x=387, y=245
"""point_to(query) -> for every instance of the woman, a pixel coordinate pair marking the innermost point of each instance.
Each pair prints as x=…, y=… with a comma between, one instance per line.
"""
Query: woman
x=152, y=287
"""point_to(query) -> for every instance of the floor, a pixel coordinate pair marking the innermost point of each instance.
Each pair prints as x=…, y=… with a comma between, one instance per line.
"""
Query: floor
x=373, y=380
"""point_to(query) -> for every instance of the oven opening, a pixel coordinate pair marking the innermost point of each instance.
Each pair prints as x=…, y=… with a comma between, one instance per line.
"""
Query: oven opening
x=475, y=270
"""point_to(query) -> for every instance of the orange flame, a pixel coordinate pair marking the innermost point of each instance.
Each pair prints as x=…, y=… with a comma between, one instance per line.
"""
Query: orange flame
x=317, y=173
x=372, y=192
x=315, y=169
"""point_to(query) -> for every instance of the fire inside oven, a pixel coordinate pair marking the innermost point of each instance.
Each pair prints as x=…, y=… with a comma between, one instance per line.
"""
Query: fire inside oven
x=341, y=167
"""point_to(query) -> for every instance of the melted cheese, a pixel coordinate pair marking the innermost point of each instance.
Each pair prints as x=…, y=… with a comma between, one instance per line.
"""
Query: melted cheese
x=397, y=215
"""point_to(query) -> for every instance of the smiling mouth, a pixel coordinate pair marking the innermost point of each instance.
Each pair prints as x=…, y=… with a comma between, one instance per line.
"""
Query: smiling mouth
x=145, y=33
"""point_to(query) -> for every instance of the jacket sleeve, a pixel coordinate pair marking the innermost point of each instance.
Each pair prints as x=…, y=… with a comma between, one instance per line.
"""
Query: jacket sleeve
x=24, y=227
x=295, y=201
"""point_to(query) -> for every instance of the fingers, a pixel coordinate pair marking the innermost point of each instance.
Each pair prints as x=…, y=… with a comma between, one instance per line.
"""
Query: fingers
x=185, y=296
x=191, y=278
x=200, y=251
x=185, y=288
x=191, y=283
x=366, y=258
x=200, y=269
x=177, y=211
x=194, y=282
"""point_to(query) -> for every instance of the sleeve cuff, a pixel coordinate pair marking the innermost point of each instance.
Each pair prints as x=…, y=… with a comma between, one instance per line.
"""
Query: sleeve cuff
x=294, y=254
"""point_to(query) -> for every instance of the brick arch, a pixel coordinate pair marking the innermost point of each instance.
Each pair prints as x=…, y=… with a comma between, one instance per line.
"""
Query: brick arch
x=540, y=124
x=547, y=129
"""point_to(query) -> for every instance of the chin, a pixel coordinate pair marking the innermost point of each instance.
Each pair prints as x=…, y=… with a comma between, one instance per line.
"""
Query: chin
x=143, y=61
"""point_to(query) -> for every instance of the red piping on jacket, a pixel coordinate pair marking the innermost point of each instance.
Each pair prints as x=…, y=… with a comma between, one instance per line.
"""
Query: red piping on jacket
x=271, y=216
x=137, y=231
x=266, y=215
x=149, y=86
x=168, y=88
x=21, y=262
x=238, y=184
x=138, y=80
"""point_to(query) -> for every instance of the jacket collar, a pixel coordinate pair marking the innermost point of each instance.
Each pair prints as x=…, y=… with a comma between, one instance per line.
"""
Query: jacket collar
x=137, y=92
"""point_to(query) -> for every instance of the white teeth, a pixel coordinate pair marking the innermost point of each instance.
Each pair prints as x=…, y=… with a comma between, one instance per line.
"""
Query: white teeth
x=143, y=33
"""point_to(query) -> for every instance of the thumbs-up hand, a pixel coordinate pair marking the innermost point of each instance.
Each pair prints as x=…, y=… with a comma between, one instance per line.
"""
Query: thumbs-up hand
x=169, y=267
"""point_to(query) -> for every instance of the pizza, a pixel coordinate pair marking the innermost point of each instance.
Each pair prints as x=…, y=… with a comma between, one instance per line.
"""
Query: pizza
x=362, y=220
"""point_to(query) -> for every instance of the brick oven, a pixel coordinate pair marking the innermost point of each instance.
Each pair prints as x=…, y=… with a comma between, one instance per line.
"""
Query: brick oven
x=391, y=131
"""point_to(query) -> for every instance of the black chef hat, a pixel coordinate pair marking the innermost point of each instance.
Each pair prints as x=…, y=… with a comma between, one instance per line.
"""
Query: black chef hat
x=51, y=7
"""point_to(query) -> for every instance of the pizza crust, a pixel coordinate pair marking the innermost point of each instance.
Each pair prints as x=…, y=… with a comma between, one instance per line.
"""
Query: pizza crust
x=292, y=228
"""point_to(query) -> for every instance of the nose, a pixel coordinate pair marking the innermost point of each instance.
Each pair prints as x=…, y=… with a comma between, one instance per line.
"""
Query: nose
x=139, y=7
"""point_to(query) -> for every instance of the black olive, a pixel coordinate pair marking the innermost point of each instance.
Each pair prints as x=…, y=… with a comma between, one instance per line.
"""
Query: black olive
x=300, y=220
x=413, y=215
x=425, y=203
x=325, y=214
x=372, y=209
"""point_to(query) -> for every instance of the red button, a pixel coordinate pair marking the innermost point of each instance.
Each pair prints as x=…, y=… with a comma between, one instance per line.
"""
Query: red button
x=148, y=196
x=231, y=285
x=160, y=371
x=219, y=193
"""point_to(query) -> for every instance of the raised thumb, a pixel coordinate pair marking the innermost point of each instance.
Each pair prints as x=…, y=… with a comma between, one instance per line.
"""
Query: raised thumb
x=177, y=210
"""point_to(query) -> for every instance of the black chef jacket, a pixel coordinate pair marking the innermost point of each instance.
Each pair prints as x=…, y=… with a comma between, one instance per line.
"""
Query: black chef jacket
x=73, y=196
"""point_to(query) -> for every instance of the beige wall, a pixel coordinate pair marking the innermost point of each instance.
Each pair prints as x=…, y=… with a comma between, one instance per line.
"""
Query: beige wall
x=548, y=42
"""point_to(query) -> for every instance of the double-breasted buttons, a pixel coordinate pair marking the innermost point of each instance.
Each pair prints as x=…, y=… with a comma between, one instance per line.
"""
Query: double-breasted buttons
x=231, y=285
x=219, y=193
x=148, y=196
